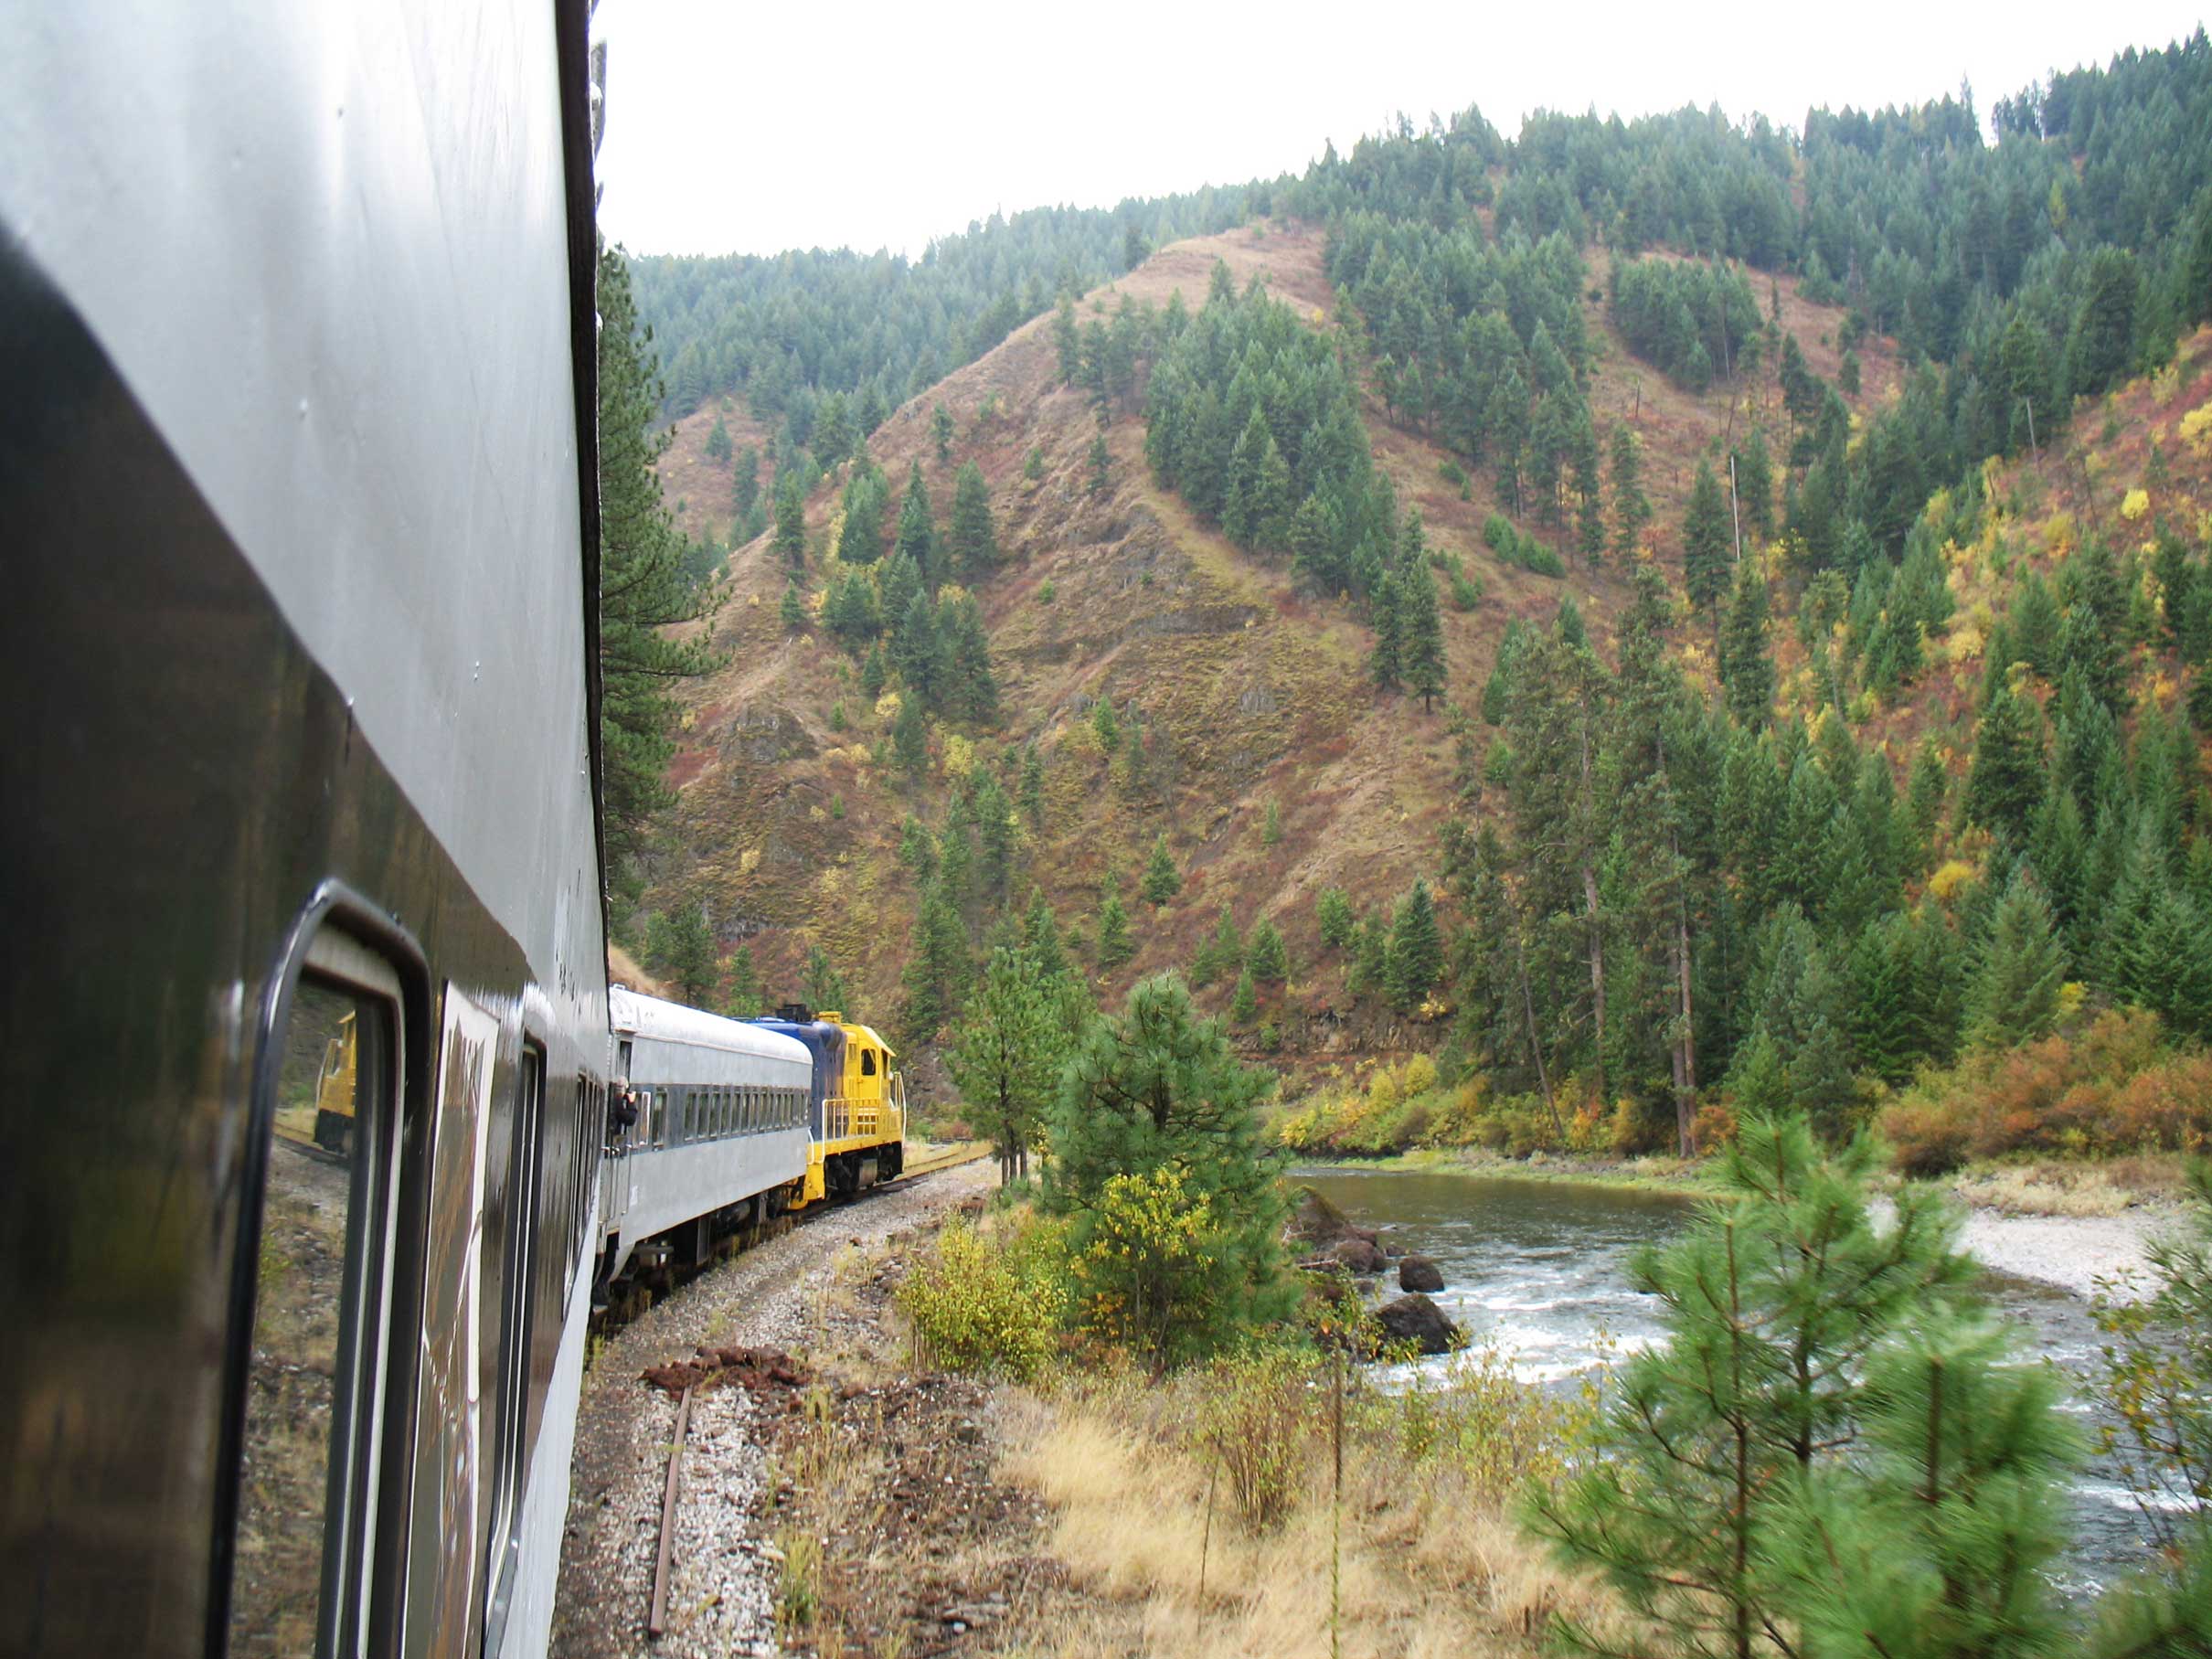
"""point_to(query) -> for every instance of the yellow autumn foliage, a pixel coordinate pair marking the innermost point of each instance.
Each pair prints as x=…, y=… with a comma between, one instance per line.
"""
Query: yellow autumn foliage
x=2135, y=504
x=1948, y=877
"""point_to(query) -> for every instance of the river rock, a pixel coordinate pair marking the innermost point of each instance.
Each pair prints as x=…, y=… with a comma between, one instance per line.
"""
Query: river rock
x=1414, y=1318
x=1419, y=1274
x=1315, y=1221
x=1360, y=1255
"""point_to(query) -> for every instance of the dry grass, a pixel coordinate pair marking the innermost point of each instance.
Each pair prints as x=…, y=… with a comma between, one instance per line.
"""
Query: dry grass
x=1430, y=1562
x=2065, y=1187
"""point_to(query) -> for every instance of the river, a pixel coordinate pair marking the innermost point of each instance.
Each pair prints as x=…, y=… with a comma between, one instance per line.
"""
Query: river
x=1539, y=1269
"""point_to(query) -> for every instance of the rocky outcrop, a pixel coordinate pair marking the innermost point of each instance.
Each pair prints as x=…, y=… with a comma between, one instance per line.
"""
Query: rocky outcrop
x=1415, y=1319
x=1419, y=1274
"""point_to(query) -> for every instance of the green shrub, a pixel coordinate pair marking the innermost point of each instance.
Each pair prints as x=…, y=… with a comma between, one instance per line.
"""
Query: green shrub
x=988, y=1305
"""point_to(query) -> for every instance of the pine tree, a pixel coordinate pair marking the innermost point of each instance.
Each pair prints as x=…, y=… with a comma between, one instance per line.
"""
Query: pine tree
x=825, y=987
x=1162, y=880
x=686, y=948
x=1244, y=1002
x=1334, y=915
x=746, y=1000
x=1423, y=626
x=1590, y=502
x=1416, y=952
x=918, y=523
x=794, y=609
x=1101, y=466
x=1707, y=550
x=873, y=674
x=1115, y=946
x=643, y=588
x=1067, y=340
x=2006, y=782
x=910, y=738
x=1387, y=612
x=1005, y=1057
x=1773, y=1305
x=973, y=538
x=717, y=443
x=2016, y=997
x=791, y=520
x=1631, y=507
x=941, y=433
x=1154, y=1097
x=1746, y=668
x=1939, y=1541
x=1104, y=727
x=1270, y=825
x=938, y=966
x=1268, y=961
x=1755, y=488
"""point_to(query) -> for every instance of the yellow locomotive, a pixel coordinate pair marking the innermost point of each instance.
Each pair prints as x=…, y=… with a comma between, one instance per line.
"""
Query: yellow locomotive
x=860, y=1113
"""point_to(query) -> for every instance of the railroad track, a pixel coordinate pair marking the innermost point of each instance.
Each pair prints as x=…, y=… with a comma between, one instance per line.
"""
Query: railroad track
x=936, y=1160
x=931, y=1162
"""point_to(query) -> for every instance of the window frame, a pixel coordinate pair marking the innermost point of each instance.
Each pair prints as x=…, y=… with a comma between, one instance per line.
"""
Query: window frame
x=341, y=941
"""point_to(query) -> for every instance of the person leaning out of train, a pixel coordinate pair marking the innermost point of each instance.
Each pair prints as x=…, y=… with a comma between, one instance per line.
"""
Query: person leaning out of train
x=622, y=1110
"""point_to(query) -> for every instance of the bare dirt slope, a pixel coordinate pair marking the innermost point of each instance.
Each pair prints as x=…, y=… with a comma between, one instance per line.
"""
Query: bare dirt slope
x=1251, y=692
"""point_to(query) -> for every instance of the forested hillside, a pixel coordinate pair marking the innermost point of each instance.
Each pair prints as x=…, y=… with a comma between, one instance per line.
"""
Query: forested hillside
x=1663, y=616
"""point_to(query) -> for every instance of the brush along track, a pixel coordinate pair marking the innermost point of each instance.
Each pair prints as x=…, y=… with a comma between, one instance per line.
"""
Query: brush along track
x=723, y=1573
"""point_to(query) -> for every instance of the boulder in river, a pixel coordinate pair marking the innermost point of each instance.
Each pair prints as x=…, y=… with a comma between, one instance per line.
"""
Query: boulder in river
x=1419, y=1274
x=1315, y=1221
x=1360, y=1255
x=1414, y=1318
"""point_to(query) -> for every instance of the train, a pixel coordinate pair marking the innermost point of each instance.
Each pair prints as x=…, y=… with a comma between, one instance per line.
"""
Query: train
x=309, y=1189
x=732, y=1125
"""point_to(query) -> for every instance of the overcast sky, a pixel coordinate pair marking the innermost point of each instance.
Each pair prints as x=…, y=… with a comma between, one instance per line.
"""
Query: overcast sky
x=753, y=128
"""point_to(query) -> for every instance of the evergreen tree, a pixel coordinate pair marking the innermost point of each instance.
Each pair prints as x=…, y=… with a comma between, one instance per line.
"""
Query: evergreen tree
x=973, y=538
x=1244, y=1002
x=1101, y=466
x=2006, y=782
x=918, y=523
x=794, y=609
x=1386, y=612
x=746, y=999
x=941, y=433
x=917, y=652
x=1115, y=947
x=873, y=674
x=1334, y=915
x=910, y=738
x=1268, y=961
x=1104, y=726
x=1155, y=1096
x=1707, y=549
x=1939, y=1540
x=1590, y=503
x=686, y=949
x=2016, y=997
x=1423, y=627
x=1773, y=1305
x=825, y=987
x=1746, y=668
x=1415, y=959
x=1755, y=486
x=791, y=518
x=1270, y=825
x=1005, y=1057
x=642, y=589
x=938, y=968
x=717, y=443
x=1631, y=507
x=1162, y=880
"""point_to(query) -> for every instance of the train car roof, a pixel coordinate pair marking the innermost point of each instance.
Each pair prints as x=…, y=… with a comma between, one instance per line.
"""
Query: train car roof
x=633, y=1013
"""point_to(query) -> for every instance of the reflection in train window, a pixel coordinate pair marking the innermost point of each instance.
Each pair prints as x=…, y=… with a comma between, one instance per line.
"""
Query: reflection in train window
x=307, y=1468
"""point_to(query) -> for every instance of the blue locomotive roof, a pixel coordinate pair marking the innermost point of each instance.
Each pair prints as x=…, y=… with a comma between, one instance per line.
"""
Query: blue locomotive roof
x=825, y=1042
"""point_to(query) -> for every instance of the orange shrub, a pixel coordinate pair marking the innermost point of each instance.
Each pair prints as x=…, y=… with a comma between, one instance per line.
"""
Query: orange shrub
x=2107, y=1087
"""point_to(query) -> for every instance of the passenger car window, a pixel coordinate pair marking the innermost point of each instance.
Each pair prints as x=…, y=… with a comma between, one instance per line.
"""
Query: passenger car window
x=307, y=1472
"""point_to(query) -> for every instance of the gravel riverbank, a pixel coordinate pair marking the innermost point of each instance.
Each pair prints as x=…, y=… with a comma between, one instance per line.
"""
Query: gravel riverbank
x=2076, y=1253
x=723, y=1577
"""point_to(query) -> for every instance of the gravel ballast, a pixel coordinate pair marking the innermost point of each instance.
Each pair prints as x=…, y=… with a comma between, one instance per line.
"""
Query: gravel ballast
x=723, y=1575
